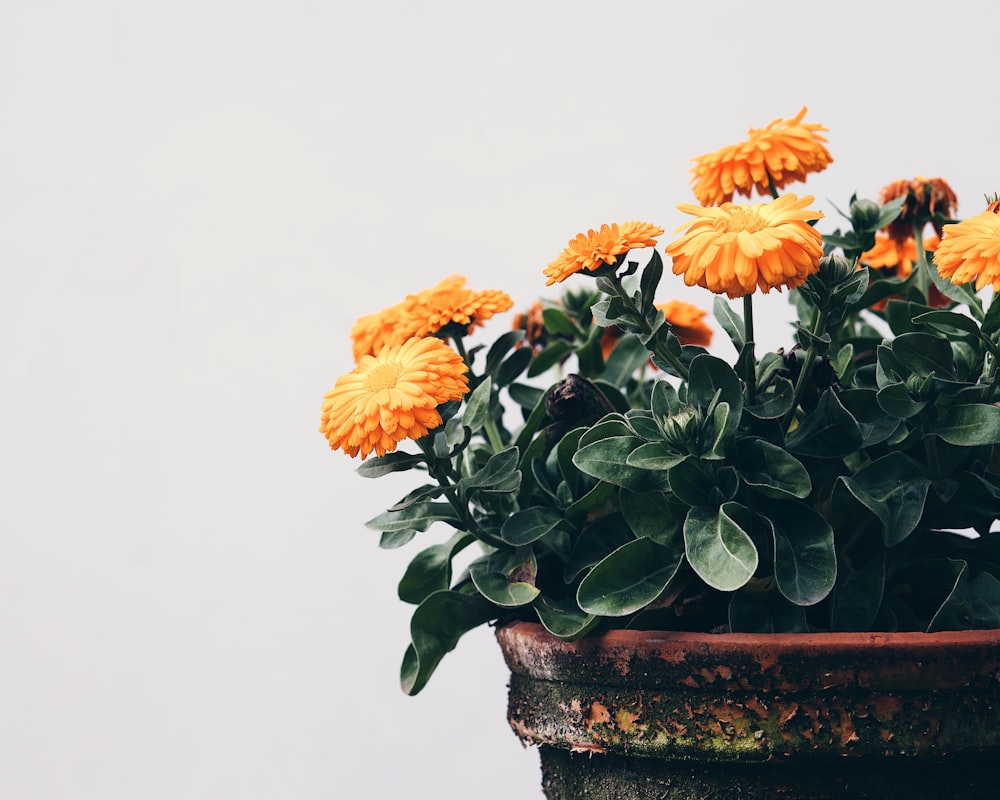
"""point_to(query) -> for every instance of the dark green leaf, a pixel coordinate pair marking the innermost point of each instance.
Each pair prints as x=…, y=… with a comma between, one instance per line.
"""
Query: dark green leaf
x=948, y=320
x=390, y=462
x=552, y=354
x=435, y=628
x=765, y=613
x=430, y=569
x=390, y=541
x=970, y=425
x=425, y=492
x=506, y=577
x=731, y=322
x=654, y=456
x=628, y=355
x=776, y=403
x=828, y=431
x=857, y=596
x=500, y=348
x=924, y=354
x=805, y=562
x=513, y=366
x=629, y=578
x=895, y=400
x=499, y=473
x=719, y=547
x=651, y=275
x=529, y=525
x=655, y=515
x=596, y=540
x=414, y=518
x=607, y=459
x=477, y=407
x=563, y=618
x=557, y=322
x=772, y=471
x=699, y=484
x=894, y=489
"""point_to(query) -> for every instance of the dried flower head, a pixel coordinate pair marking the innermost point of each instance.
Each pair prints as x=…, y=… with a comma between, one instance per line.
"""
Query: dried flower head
x=593, y=249
x=533, y=325
x=734, y=249
x=926, y=198
x=970, y=250
x=784, y=151
x=430, y=311
x=392, y=396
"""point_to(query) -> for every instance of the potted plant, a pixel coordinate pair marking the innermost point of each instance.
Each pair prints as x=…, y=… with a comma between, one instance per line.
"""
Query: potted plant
x=705, y=572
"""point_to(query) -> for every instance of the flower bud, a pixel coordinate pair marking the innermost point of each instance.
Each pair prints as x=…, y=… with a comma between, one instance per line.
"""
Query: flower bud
x=835, y=269
x=865, y=215
x=682, y=428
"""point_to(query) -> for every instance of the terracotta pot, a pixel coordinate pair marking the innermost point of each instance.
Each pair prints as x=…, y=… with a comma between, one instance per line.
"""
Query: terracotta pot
x=640, y=714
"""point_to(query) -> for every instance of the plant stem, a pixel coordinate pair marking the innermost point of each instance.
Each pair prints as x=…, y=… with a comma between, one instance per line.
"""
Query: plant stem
x=771, y=187
x=493, y=434
x=749, y=359
x=923, y=275
x=806, y=372
x=660, y=348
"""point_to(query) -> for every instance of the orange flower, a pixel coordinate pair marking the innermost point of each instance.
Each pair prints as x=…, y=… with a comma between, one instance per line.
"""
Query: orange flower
x=428, y=312
x=783, y=152
x=925, y=198
x=593, y=249
x=735, y=249
x=898, y=259
x=392, y=396
x=970, y=250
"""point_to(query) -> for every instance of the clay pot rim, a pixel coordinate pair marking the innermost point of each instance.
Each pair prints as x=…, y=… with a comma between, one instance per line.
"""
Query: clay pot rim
x=776, y=643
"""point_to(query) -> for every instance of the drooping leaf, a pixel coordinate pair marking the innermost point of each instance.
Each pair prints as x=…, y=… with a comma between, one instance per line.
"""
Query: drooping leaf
x=629, y=578
x=719, y=547
x=506, y=577
x=435, y=628
x=563, y=618
x=390, y=462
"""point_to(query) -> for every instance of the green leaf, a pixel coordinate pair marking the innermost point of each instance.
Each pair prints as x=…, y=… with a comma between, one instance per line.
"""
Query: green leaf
x=718, y=546
x=435, y=628
x=563, y=618
x=500, y=348
x=596, y=540
x=426, y=492
x=628, y=355
x=948, y=320
x=525, y=396
x=858, y=595
x=506, y=577
x=894, y=489
x=477, y=407
x=654, y=456
x=629, y=579
x=663, y=400
x=499, y=474
x=772, y=471
x=805, y=561
x=392, y=540
x=890, y=211
x=414, y=518
x=651, y=275
x=697, y=483
x=711, y=375
x=828, y=431
x=776, y=403
x=430, y=569
x=731, y=322
x=610, y=311
x=970, y=425
x=530, y=525
x=552, y=354
x=607, y=460
x=607, y=427
x=513, y=366
x=925, y=354
x=557, y=322
x=654, y=515
x=390, y=462
x=963, y=293
x=894, y=399
x=595, y=498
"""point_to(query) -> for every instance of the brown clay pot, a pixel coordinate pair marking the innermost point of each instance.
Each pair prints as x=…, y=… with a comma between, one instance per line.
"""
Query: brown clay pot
x=660, y=715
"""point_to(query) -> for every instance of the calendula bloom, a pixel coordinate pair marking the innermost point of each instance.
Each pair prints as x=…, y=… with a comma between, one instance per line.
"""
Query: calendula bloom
x=428, y=312
x=734, y=249
x=970, y=250
x=898, y=259
x=594, y=249
x=784, y=151
x=392, y=396
x=684, y=319
x=925, y=198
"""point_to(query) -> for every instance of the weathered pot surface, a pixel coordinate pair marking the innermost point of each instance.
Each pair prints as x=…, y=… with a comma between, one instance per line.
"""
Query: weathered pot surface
x=756, y=698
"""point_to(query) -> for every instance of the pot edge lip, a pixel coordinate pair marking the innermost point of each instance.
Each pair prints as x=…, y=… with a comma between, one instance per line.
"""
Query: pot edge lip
x=520, y=629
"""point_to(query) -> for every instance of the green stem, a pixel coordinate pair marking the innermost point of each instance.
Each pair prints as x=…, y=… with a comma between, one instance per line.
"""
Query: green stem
x=493, y=434
x=771, y=187
x=922, y=267
x=806, y=372
x=748, y=357
x=659, y=344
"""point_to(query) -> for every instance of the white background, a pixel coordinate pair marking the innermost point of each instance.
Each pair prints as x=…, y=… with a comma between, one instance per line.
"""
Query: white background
x=196, y=201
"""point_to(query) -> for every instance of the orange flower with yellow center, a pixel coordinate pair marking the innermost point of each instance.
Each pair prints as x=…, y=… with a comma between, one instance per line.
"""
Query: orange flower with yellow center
x=784, y=151
x=925, y=199
x=427, y=312
x=392, y=396
x=970, y=250
x=734, y=249
x=593, y=249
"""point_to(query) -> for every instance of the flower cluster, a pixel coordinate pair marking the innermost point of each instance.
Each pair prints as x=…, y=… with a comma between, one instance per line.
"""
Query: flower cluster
x=615, y=473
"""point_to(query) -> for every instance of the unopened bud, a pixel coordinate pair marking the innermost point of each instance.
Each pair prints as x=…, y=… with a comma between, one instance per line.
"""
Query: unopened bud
x=865, y=214
x=835, y=269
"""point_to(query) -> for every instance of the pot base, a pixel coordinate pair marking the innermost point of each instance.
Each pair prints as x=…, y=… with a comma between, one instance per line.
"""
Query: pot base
x=582, y=776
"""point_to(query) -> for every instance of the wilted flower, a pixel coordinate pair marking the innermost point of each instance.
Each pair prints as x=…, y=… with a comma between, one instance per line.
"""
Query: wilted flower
x=926, y=198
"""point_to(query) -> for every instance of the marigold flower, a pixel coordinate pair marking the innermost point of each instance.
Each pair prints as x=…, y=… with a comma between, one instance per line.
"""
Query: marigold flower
x=784, y=151
x=392, y=396
x=970, y=249
x=898, y=259
x=733, y=249
x=593, y=249
x=925, y=198
x=427, y=312
x=685, y=321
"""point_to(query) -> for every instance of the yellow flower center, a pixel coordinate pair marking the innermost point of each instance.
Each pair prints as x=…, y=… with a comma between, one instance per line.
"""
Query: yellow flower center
x=740, y=219
x=385, y=376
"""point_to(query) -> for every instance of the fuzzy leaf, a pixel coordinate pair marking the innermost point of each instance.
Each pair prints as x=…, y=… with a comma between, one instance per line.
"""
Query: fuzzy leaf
x=629, y=579
x=718, y=546
x=805, y=561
